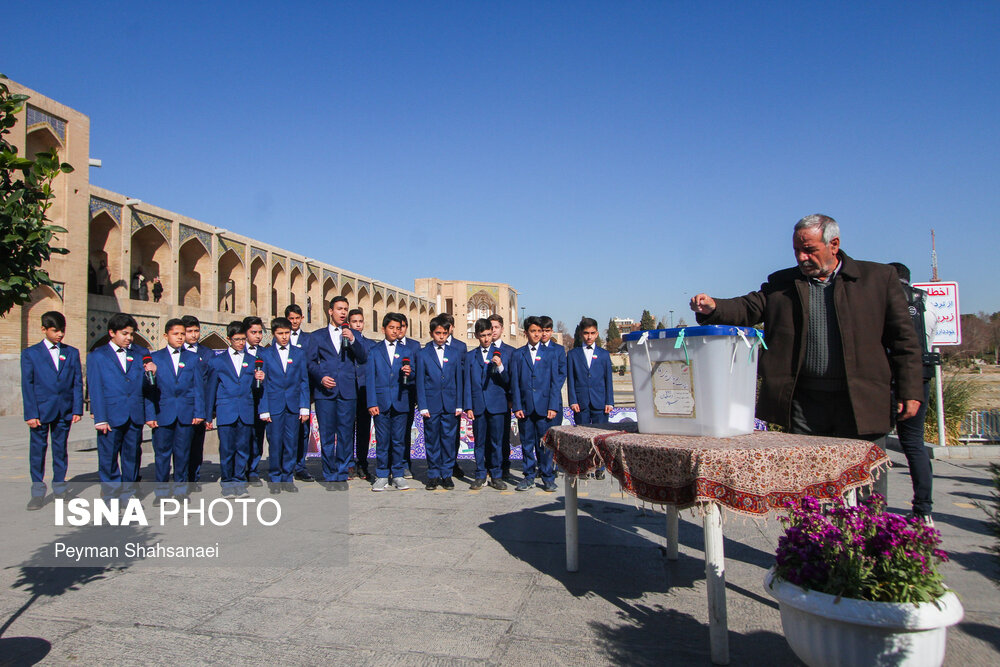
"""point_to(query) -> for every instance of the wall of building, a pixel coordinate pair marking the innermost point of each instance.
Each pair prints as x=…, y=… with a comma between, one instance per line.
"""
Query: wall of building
x=469, y=301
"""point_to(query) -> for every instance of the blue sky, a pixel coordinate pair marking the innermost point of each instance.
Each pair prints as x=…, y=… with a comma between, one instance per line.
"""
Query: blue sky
x=600, y=157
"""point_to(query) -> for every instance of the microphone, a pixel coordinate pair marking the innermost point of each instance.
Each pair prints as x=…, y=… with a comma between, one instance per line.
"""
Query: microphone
x=258, y=366
x=496, y=354
x=407, y=379
x=150, y=375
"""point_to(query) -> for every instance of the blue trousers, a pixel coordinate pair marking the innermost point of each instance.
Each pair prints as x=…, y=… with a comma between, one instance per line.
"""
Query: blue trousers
x=487, y=432
x=234, y=453
x=256, y=447
x=537, y=457
x=336, y=436
x=197, y=453
x=589, y=415
x=172, y=442
x=120, y=445
x=390, y=443
x=440, y=443
x=302, y=446
x=363, y=423
x=282, y=444
x=38, y=443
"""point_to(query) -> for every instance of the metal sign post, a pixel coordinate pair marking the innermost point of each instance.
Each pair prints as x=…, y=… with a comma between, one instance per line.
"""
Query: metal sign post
x=942, y=300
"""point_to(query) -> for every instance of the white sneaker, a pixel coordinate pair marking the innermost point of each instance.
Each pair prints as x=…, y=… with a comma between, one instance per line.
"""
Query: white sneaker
x=380, y=484
x=400, y=484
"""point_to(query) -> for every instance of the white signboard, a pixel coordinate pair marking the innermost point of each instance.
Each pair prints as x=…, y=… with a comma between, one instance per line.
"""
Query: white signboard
x=942, y=298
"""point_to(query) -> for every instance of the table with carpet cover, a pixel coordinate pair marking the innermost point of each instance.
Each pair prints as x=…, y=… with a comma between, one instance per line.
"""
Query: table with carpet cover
x=751, y=474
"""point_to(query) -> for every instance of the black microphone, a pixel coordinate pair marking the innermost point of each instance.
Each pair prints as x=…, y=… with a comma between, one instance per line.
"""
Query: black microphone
x=258, y=366
x=150, y=375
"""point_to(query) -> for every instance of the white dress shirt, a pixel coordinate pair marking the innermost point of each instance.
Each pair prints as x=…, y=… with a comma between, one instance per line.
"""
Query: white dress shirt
x=120, y=354
x=175, y=357
x=53, y=352
x=191, y=347
x=237, y=359
x=335, y=336
x=439, y=350
x=294, y=340
x=390, y=347
x=283, y=355
x=251, y=349
x=533, y=349
x=588, y=352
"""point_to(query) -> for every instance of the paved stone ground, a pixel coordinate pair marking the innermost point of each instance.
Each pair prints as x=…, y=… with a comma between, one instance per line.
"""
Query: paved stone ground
x=454, y=578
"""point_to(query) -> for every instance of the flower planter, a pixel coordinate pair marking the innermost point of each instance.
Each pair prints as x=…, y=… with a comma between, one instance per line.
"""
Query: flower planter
x=822, y=631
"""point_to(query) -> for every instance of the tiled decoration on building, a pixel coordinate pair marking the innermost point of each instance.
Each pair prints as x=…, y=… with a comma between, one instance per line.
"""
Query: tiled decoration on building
x=330, y=275
x=228, y=244
x=37, y=116
x=297, y=264
x=184, y=232
x=492, y=290
x=313, y=271
x=97, y=205
x=390, y=294
x=280, y=260
x=140, y=220
x=60, y=289
x=257, y=252
x=367, y=286
x=97, y=327
x=348, y=280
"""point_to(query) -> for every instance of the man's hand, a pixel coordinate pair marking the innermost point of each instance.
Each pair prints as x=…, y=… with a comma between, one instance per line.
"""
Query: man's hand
x=35, y=423
x=149, y=366
x=496, y=360
x=328, y=382
x=373, y=411
x=103, y=427
x=258, y=375
x=519, y=414
x=703, y=304
x=347, y=334
x=152, y=423
x=406, y=369
x=77, y=418
x=470, y=415
x=425, y=413
x=304, y=418
x=458, y=412
x=196, y=421
x=265, y=417
x=907, y=410
x=608, y=409
x=551, y=414
x=575, y=407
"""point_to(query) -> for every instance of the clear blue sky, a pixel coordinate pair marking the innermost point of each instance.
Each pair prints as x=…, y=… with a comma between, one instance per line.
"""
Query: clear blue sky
x=600, y=157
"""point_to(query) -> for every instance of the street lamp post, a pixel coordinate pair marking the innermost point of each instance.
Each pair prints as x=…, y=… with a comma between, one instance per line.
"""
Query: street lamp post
x=671, y=319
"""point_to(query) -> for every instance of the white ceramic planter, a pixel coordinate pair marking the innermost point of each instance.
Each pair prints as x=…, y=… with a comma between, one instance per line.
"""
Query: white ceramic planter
x=823, y=632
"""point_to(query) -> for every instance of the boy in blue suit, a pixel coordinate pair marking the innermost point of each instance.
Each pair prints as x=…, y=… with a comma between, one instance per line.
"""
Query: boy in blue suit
x=175, y=404
x=440, y=392
x=286, y=399
x=232, y=376
x=413, y=349
x=115, y=384
x=363, y=419
x=590, y=390
x=559, y=352
x=533, y=379
x=298, y=337
x=496, y=322
x=486, y=380
x=388, y=401
x=255, y=334
x=332, y=353
x=52, y=394
x=192, y=338
x=463, y=348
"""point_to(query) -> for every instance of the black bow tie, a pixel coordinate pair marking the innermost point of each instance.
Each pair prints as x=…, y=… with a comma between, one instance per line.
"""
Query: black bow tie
x=177, y=351
x=532, y=348
x=391, y=343
x=54, y=347
x=191, y=347
x=236, y=354
x=440, y=347
x=590, y=347
x=282, y=347
x=120, y=350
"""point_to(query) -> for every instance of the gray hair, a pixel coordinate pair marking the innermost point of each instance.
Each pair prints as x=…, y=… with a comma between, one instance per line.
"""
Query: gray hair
x=828, y=227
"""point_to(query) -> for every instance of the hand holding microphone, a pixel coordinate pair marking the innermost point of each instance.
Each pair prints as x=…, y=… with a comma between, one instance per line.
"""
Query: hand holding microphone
x=496, y=358
x=147, y=362
x=258, y=368
x=406, y=366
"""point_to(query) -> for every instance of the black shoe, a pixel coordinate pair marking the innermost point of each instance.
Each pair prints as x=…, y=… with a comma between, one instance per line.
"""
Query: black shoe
x=599, y=474
x=289, y=487
x=196, y=487
x=304, y=476
x=255, y=481
x=498, y=484
x=477, y=484
x=365, y=475
x=525, y=484
x=446, y=483
x=337, y=486
x=549, y=487
x=36, y=503
x=274, y=488
x=432, y=483
x=457, y=472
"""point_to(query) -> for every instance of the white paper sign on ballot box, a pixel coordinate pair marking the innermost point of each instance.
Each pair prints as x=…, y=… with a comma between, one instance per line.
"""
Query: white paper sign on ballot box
x=943, y=299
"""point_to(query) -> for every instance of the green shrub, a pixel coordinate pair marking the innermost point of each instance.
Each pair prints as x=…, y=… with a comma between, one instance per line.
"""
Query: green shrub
x=959, y=398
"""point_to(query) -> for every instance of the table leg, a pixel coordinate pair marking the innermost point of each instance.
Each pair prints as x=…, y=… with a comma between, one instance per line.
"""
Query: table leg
x=671, y=532
x=715, y=575
x=572, y=534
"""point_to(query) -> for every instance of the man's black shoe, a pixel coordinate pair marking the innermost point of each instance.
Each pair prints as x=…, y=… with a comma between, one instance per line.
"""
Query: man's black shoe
x=255, y=481
x=498, y=484
x=477, y=484
x=432, y=483
x=549, y=487
x=304, y=476
x=446, y=483
x=274, y=488
x=36, y=503
x=337, y=486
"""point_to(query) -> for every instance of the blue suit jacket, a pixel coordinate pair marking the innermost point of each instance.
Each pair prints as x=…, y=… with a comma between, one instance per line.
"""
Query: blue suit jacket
x=590, y=387
x=440, y=387
x=485, y=386
x=460, y=345
x=325, y=361
x=49, y=395
x=286, y=386
x=361, y=367
x=231, y=397
x=561, y=370
x=303, y=337
x=385, y=378
x=116, y=395
x=533, y=385
x=178, y=397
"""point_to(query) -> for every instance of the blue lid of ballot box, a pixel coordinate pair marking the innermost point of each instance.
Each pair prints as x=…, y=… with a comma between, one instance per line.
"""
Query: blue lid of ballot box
x=706, y=330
